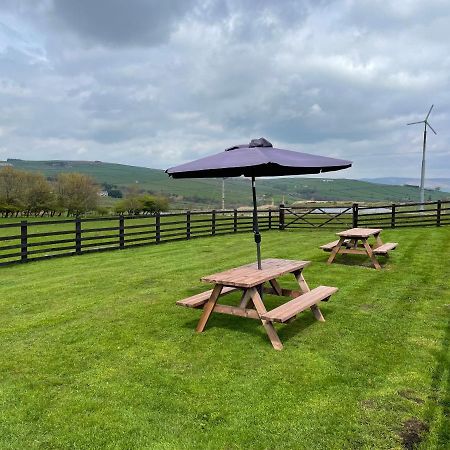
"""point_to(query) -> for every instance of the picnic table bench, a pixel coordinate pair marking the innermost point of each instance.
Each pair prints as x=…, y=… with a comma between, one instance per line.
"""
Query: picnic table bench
x=251, y=282
x=355, y=241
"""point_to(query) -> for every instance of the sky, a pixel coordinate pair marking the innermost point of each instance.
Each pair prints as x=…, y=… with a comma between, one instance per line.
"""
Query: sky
x=158, y=83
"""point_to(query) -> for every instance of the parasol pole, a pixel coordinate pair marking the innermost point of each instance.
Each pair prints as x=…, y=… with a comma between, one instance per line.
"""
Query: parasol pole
x=255, y=225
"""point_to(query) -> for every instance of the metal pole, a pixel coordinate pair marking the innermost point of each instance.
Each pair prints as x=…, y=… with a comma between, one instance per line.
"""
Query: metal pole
x=422, y=176
x=255, y=225
x=223, y=194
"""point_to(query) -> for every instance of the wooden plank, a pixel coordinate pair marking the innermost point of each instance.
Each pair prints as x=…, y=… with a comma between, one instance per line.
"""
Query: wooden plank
x=276, y=287
x=317, y=313
x=303, y=285
x=330, y=245
x=360, y=232
x=197, y=300
x=270, y=329
x=351, y=251
x=208, y=308
x=245, y=299
x=236, y=311
x=284, y=292
x=285, y=312
x=249, y=276
x=335, y=250
x=385, y=248
x=369, y=251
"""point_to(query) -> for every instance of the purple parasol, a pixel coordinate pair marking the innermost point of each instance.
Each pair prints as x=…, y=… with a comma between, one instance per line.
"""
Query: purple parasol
x=257, y=159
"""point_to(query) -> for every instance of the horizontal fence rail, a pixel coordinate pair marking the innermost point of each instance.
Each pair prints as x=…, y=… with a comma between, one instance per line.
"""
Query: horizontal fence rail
x=36, y=240
x=355, y=215
x=30, y=240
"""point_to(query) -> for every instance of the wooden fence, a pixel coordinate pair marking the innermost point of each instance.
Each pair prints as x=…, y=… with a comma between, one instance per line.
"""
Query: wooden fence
x=30, y=240
x=355, y=215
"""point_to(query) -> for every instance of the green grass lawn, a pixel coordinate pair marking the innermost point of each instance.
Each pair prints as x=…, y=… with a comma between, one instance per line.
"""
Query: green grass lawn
x=95, y=354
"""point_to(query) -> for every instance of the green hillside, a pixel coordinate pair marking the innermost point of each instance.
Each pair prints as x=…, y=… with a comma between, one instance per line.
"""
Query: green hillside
x=207, y=192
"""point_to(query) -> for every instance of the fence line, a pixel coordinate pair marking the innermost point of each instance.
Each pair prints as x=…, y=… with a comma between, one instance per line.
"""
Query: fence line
x=355, y=215
x=26, y=241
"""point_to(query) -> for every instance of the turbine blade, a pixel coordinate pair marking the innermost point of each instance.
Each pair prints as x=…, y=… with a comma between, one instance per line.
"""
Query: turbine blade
x=431, y=128
x=429, y=112
x=413, y=123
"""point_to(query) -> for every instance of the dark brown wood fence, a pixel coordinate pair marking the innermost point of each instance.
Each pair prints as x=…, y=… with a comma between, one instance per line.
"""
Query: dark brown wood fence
x=355, y=215
x=30, y=240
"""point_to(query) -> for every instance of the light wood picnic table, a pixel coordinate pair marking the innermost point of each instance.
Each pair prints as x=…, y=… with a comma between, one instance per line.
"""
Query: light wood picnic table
x=356, y=242
x=250, y=280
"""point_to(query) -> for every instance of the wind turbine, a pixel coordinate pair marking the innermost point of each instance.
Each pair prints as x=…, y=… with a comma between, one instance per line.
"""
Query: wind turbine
x=422, y=177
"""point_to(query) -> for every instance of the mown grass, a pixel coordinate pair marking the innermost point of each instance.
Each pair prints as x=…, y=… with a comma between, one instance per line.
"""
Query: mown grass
x=95, y=354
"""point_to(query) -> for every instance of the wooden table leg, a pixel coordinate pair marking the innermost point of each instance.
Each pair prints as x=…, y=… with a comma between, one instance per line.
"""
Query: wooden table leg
x=208, y=308
x=372, y=257
x=245, y=299
x=335, y=250
x=378, y=240
x=270, y=329
x=305, y=288
x=276, y=287
x=298, y=274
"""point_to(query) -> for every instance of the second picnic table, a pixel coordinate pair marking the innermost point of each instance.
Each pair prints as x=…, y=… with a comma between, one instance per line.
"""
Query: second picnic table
x=251, y=280
x=355, y=241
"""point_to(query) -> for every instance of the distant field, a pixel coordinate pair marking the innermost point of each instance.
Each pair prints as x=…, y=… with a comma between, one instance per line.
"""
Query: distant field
x=95, y=353
x=207, y=193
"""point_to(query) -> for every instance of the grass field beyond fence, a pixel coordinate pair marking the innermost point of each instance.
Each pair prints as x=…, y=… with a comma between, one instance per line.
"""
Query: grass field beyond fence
x=96, y=355
x=32, y=240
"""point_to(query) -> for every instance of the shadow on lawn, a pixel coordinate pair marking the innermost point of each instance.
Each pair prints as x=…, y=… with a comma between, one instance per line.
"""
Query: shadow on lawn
x=254, y=327
x=357, y=260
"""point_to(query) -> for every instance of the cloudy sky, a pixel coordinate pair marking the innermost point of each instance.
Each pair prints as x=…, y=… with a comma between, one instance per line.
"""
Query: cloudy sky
x=156, y=83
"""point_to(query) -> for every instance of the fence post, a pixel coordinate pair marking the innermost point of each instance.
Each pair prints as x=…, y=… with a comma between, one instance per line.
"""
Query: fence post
x=438, y=213
x=23, y=241
x=355, y=215
x=158, y=228
x=235, y=218
x=213, y=222
x=270, y=218
x=121, y=232
x=78, y=236
x=393, y=216
x=188, y=224
x=281, y=217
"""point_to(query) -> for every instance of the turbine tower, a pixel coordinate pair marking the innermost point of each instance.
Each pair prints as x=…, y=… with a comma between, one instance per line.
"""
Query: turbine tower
x=422, y=176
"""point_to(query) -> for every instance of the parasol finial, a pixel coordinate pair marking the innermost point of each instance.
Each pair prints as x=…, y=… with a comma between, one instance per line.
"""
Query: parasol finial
x=261, y=142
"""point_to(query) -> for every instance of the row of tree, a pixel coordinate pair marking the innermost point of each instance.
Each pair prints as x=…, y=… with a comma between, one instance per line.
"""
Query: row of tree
x=29, y=193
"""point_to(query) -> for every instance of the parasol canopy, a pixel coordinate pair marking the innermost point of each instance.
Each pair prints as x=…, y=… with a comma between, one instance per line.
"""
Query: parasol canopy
x=257, y=159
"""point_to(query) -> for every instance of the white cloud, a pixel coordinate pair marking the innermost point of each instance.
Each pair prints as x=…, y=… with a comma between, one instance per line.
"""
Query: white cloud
x=339, y=78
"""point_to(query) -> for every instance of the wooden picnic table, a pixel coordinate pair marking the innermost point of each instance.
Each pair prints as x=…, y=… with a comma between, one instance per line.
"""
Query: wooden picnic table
x=356, y=242
x=251, y=281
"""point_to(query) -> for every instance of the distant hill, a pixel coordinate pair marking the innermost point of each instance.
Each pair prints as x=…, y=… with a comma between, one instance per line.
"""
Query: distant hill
x=431, y=183
x=207, y=193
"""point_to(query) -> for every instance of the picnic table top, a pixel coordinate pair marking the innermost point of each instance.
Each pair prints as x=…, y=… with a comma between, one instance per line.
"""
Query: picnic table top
x=249, y=275
x=359, y=232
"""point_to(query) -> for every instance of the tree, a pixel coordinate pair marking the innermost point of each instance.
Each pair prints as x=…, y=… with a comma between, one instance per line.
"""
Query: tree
x=145, y=203
x=12, y=186
x=77, y=193
x=38, y=195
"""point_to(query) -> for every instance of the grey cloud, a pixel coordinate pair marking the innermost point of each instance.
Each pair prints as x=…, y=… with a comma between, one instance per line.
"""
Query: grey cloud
x=337, y=78
x=120, y=22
